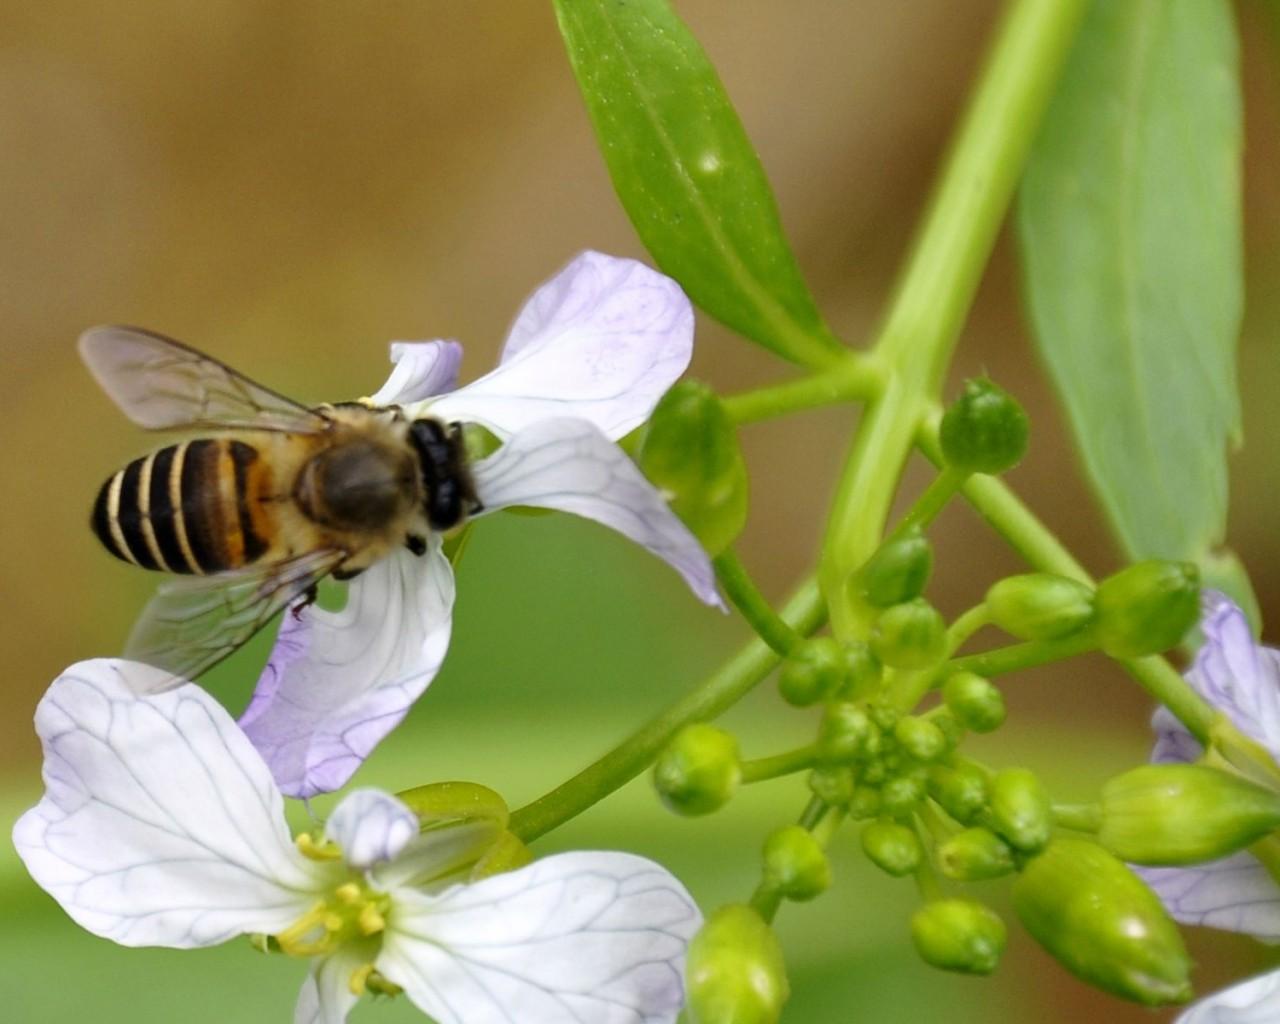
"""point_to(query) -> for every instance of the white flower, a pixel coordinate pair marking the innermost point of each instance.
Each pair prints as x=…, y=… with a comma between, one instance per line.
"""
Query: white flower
x=161, y=825
x=589, y=356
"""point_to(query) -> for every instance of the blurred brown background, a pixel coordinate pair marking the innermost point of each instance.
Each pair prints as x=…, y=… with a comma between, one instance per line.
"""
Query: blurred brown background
x=290, y=185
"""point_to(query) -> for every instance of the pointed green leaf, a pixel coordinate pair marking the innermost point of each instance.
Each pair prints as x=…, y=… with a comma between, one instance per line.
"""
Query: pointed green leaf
x=686, y=172
x=1130, y=228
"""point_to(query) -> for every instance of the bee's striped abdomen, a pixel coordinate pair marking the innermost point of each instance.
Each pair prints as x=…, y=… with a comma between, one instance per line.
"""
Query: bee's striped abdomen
x=185, y=508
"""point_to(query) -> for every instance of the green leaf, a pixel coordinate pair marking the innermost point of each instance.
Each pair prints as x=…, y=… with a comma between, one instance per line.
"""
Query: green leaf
x=1130, y=227
x=686, y=172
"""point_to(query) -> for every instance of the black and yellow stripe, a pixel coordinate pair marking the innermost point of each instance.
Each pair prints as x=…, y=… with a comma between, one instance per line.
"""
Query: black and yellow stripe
x=184, y=508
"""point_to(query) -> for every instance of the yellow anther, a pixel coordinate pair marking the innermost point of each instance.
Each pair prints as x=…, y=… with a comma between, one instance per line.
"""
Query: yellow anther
x=348, y=894
x=371, y=920
x=360, y=979
x=312, y=850
x=310, y=934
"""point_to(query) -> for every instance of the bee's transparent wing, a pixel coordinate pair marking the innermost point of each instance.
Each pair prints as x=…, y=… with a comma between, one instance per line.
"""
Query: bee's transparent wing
x=193, y=623
x=162, y=384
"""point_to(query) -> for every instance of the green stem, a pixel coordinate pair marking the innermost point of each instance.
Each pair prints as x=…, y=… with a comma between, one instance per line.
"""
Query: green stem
x=1015, y=657
x=932, y=501
x=760, y=616
x=905, y=691
x=733, y=680
x=764, y=768
x=854, y=377
x=938, y=284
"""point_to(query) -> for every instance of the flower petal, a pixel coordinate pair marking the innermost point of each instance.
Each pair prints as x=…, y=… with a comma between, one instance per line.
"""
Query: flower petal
x=338, y=682
x=1236, y=675
x=1254, y=1001
x=567, y=464
x=1174, y=743
x=1234, y=894
x=160, y=824
x=602, y=340
x=326, y=996
x=423, y=369
x=370, y=826
x=574, y=937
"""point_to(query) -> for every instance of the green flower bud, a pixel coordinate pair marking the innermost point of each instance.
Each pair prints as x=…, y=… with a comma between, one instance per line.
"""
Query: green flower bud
x=447, y=803
x=1147, y=608
x=892, y=848
x=1177, y=814
x=902, y=794
x=795, y=863
x=961, y=790
x=865, y=803
x=699, y=770
x=920, y=738
x=984, y=430
x=1020, y=809
x=974, y=855
x=833, y=785
x=506, y=854
x=690, y=450
x=844, y=733
x=958, y=935
x=975, y=701
x=910, y=635
x=814, y=671
x=861, y=671
x=735, y=970
x=1040, y=606
x=898, y=571
x=1102, y=923
x=885, y=715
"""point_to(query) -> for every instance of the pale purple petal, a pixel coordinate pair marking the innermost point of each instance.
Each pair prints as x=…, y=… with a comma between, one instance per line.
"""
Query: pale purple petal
x=602, y=341
x=1235, y=675
x=572, y=938
x=326, y=996
x=1174, y=743
x=338, y=682
x=1254, y=1001
x=160, y=824
x=1234, y=894
x=370, y=826
x=569, y=465
x=423, y=369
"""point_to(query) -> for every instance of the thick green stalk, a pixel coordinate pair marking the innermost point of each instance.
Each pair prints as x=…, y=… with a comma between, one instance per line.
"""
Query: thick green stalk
x=855, y=376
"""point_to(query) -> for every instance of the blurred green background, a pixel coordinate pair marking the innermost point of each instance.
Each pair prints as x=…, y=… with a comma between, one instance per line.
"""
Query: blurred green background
x=291, y=185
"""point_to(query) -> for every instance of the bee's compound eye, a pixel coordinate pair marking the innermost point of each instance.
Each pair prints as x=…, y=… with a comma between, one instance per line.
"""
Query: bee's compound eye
x=362, y=485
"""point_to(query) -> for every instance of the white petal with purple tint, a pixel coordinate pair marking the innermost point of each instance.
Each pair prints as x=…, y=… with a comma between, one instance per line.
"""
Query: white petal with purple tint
x=338, y=682
x=601, y=341
x=326, y=996
x=370, y=827
x=1254, y=1001
x=1235, y=675
x=572, y=938
x=1235, y=894
x=160, y=824
x=568, y=465
x=423, y=369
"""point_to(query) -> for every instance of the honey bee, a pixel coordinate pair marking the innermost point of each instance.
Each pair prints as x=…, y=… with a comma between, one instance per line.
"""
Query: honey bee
x=277, y=497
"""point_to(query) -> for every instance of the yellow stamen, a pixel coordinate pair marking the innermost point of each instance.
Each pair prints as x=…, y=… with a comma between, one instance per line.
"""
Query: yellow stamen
x=371, y=920
x=310, y=935
x=348, y=894
x=360, y=979
x=312, y=850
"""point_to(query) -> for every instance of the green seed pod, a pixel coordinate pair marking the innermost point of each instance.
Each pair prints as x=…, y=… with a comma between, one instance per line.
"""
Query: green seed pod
x=814, y=671
x=1147, y=608
x=910, y=635
x=699, y=771
x=958, y=935
x=984, y=430
x=795, y=863
x=862, y=671
x=920, y=738
x=891, y=847
x=690, y=450
x=1100, y=921
x=1177, y=814
x=975, y=855
x=961, y=790
x=735, y=970
x=897, y=572
x=865, y=803
x=832, y=785
x=902, y=794
x=844, y=733
x=1040, y=606
x=975, y=701
x=1020, y=809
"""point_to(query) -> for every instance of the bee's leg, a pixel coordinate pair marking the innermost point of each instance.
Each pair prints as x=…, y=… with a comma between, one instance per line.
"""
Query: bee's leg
x=309, y=597
x=346, y=574
x=416, y=544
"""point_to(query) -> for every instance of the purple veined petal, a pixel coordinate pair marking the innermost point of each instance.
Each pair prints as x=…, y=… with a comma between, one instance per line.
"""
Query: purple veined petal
x=602, y=341
x=338, y=682
x=1236, y=675
x=569, y=465
x=423, y=369
x=1234, y=894
x=575, y=937
x=326, y=996
x=1174, y=744
x=160, y=824
x=370, y=827
x=1253, y=1001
